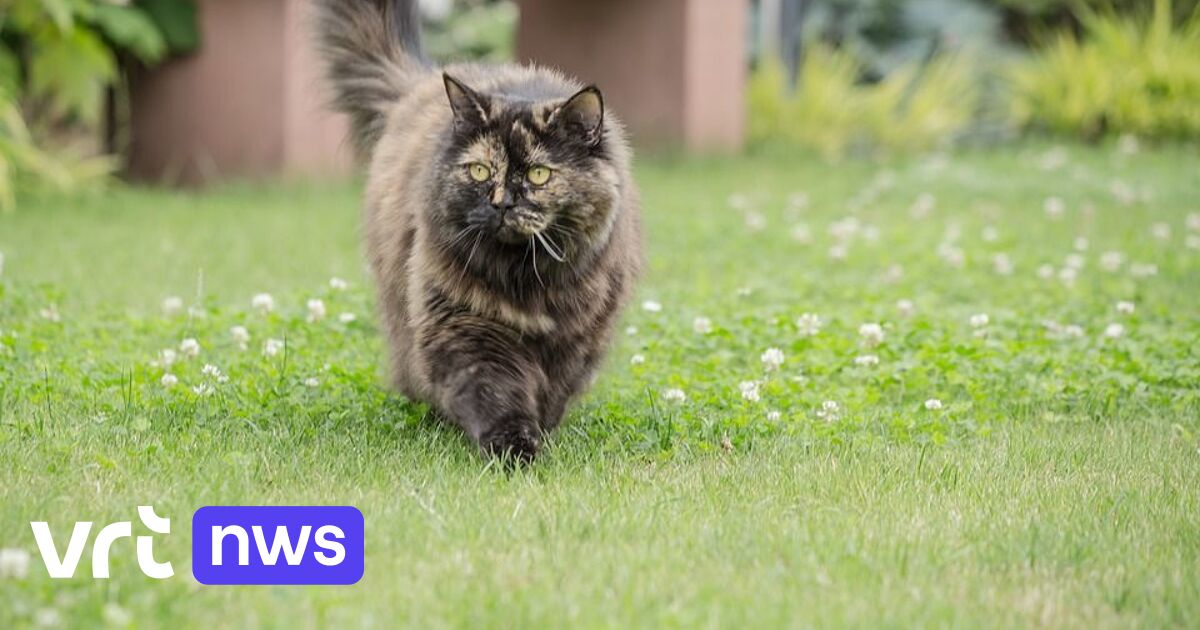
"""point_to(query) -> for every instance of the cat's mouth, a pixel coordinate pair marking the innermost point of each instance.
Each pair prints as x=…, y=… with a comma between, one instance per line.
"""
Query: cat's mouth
x=518, y=226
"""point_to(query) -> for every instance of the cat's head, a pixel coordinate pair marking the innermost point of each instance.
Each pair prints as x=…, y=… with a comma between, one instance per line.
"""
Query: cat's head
x=522, y=174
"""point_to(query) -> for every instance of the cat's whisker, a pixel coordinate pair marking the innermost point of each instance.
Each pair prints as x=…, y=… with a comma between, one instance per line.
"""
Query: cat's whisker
x=553, y=250
x=535, y=265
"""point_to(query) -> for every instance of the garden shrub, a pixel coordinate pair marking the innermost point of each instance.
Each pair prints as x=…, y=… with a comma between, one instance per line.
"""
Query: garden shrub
x=58, y=59
x=1137, y=74
x=916, y=107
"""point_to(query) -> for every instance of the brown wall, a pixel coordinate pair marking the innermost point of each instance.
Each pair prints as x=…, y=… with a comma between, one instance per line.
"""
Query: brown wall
x=673, y=70
x=247, y=104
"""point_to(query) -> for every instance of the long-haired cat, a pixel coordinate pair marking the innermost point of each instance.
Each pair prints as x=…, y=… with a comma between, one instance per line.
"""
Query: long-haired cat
x=502, y=223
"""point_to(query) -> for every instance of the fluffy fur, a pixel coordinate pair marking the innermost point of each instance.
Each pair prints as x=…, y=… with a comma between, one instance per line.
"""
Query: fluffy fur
x=499, y=294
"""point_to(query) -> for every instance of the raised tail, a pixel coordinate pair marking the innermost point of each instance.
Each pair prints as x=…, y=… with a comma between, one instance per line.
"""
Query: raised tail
x=372, y=51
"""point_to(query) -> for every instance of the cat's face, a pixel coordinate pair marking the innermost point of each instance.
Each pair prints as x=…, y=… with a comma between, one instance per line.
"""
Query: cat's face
x=527, y=174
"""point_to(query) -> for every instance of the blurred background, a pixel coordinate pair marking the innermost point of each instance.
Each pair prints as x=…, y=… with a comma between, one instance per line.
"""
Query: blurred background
x=185, y=92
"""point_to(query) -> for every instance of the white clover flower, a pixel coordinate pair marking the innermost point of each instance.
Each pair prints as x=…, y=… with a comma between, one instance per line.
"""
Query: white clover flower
x=844, y=229
x=241, y=337
x=1068, y=275
x=738, y=201
x=169, y=380
x=772, y=358
x=829, y=410
x=1161, y=231
x=866, y=360
x=316, y=310
x=808, y=324
x=743, y=292
x=1114, y=331
x=631, y=330
x=1075, y=261
x=272, y=347
x=839, y=252
x=203, y=389
x=347, y=318
x=650, y=306
x=190, y=347
x=337, y=284
x=749, y=390
x=922, y=206
x=989, y=234
x=1125, y=307
x=755, y=221
x=1081, y=244
x=47, y=618
x=674, y=395
x=1073, y=330
x=1045, y=272
x=114, y=615
x=1054, y=207
x=871, y=334
x=953, y=256
x=1002, y=264
x=1111, y=261
x=1192, y=222
x=312, y=382
x=979, y=320
x=801, y=233
x=637, y=359
x=773, y=416
x=167, y=357
x=1192, y=241
x=211, y=370
x=263, y=302
x=893, y=274
x=906, y=308
x=14, y=563
x=798, y=200
x=933, y=404
x=172, y=306
x=50, y=314
x=702, y=325
x=1143, y=270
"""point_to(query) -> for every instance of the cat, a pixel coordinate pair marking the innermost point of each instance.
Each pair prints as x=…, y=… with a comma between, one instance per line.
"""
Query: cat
x=503, y=225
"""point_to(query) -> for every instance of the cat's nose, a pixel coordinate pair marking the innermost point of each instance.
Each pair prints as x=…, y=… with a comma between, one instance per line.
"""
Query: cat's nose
x=502, y=200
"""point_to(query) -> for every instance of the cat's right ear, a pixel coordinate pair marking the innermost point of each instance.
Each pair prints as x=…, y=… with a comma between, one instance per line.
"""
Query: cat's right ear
x=469, y=107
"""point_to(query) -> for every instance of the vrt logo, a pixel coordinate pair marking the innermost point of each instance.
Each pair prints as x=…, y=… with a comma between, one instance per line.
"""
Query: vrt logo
x=63, y=567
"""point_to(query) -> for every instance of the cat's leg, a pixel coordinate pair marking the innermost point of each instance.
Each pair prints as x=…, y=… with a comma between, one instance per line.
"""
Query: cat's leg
x=484, y=380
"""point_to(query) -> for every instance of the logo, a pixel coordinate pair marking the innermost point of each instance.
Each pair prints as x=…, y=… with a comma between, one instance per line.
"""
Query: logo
x=278, y=545
x=63, y=566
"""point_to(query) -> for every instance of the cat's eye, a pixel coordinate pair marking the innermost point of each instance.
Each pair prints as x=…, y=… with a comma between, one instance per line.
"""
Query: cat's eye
x=479, y=172
x=538, y=175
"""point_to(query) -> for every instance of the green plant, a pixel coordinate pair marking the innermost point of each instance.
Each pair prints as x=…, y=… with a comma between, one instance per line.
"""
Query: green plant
x=1128, y=74
x=58, y=58
x=916, y=107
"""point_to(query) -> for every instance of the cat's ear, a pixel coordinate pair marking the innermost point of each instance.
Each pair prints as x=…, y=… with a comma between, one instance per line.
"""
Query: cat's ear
x=469, y=106
x=582, y=115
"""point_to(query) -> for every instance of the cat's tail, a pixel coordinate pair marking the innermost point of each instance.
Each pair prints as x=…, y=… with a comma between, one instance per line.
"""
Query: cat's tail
x=372, y=51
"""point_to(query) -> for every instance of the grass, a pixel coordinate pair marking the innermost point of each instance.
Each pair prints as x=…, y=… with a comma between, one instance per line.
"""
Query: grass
x=1055, y=486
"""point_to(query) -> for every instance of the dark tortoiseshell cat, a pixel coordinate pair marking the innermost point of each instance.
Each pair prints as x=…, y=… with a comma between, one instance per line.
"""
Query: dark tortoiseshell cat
x=502, y=223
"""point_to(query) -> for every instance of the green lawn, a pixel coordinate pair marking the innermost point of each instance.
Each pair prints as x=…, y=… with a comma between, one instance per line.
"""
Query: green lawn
x=1057, y=484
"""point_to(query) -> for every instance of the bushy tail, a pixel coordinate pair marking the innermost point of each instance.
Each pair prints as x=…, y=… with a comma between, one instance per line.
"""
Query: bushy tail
x=372, y=51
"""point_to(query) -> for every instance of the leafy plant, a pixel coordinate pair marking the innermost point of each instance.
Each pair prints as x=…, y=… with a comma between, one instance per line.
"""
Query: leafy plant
x=1127, y=74
x=916, y=107
x=58, y=59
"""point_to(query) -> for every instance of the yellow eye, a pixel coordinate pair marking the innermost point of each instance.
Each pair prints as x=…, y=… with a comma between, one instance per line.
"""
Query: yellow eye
x=479, y=172
x=538, y=175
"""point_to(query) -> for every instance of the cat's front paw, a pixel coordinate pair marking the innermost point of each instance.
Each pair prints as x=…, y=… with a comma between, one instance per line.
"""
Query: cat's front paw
x=517, y=442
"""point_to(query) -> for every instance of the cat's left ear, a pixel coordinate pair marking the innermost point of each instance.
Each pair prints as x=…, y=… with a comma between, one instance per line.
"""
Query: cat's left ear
x=582, y=115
